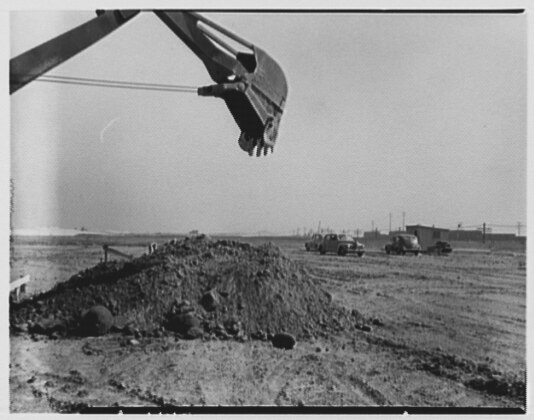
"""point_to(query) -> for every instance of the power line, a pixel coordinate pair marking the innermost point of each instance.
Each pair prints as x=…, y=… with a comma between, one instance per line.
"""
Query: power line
x=495, y=225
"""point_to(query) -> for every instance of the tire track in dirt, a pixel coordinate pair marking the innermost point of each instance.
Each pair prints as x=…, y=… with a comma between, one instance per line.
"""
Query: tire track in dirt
x=303, y=377
x=467, y=373
x=475, y=375
x=463, y=308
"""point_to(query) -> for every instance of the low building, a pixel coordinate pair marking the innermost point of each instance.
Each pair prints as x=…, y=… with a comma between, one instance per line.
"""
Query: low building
x=501, y=237
x=466, y=235
x=428, y=235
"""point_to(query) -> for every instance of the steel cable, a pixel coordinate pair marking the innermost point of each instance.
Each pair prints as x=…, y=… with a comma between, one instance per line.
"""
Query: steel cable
x=84, y=81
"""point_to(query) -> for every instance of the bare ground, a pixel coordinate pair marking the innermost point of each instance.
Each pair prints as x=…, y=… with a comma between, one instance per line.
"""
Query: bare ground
x=445, y=331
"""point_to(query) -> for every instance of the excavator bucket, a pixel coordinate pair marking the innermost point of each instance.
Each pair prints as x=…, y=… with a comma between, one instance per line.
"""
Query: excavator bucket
x=252, y=84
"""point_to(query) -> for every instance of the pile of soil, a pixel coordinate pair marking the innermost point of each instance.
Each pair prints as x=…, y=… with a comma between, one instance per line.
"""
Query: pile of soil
x=246, y=290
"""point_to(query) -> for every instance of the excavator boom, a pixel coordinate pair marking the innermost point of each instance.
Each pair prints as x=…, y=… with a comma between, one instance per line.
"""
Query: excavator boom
x=252, y=84
x=35, y=62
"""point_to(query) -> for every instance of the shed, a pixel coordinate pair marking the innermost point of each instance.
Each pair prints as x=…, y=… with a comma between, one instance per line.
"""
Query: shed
x=428, y=235
x=466, y=235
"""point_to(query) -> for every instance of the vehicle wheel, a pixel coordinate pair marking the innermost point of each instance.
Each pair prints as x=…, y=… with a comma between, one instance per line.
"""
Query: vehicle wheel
x=342, y=251
x=321, y=250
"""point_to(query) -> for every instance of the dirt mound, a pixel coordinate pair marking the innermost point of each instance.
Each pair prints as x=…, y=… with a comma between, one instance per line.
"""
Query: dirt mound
x=227, y=285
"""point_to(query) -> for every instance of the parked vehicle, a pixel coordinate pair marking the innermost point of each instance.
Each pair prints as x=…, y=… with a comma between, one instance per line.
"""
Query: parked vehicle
x=341, y=245
x=440, y=248
x=401, y=244
x=314, y=243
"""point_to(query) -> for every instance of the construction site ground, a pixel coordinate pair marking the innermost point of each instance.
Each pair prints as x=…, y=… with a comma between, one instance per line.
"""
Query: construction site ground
x=441, y=332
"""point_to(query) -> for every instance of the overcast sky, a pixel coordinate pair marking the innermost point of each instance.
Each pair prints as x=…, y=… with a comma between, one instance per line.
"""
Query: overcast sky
x=422, y=114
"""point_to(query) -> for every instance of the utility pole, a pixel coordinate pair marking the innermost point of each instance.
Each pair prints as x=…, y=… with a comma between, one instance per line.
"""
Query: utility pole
x=403, y=219
x=389, y=222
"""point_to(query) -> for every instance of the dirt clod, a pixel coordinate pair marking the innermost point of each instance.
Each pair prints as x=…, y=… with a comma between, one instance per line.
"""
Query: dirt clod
x=82, y=393
x=364, y=327
x=259, y=335
x=284, y=341
x=181, y=323
x=210, y=300
x=96, y=321
x=378, y=322
x=20, y=328
x=194, y=332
